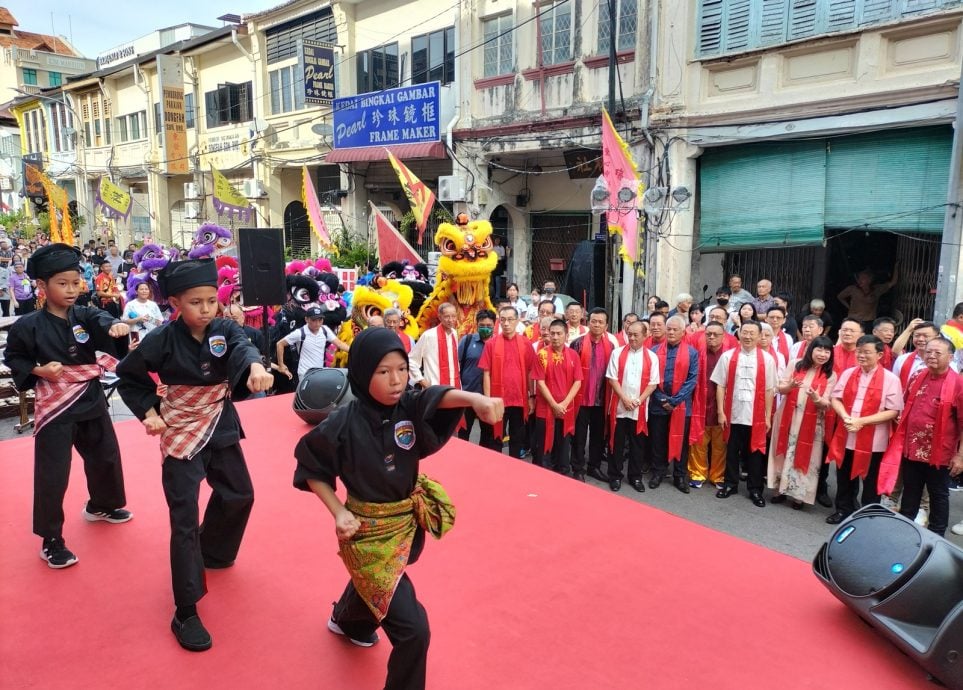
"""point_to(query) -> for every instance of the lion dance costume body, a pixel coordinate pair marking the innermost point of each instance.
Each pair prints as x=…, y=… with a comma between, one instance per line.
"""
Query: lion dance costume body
x=369, y=300
x=464, y=272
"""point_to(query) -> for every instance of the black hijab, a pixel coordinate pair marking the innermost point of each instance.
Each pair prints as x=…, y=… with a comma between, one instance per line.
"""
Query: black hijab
x=367, y=350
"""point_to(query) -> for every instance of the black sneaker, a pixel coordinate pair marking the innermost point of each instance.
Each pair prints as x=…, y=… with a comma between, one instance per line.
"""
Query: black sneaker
x=56, y=553
x=369, y=641
x=191, y=634
x=115, y=516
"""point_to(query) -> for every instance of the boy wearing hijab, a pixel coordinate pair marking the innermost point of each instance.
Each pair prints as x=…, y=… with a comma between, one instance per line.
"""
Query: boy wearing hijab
x=199, y=358
x=54, y=350
x=374, y=444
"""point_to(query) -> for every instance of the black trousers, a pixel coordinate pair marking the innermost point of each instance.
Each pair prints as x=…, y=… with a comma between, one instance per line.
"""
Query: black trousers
x=589, y=427
x=4, y=307
x=847, y=489
x=737, y=453
x=96, y=443
x=558, y=457
x=513, y=425
x=659, y=447
x=225, y=518
x=916, y=475
x=637, y=447
x=486, y=432
x=406, y=626
x=25, y=306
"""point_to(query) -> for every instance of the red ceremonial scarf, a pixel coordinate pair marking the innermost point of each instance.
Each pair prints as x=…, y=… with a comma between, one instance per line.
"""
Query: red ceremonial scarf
x=498, y=370
x=807, y=429
x=843, y=359
x=758, y=439
x=889, y=467
x=679, y=374
x=405, y=340
x=872, y=402
x=622, y=339
x=782, y=343
x=887, y=359
x=641, y=425
x=536, y=333
x=585, y=356
x=905, y=368
x=446, y=346
x=559, y=370
x=697, y=425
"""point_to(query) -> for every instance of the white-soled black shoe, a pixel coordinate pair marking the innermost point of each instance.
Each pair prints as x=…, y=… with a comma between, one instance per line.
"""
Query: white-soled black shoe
x=367, y=642
x=115, y=516
x=56, y=553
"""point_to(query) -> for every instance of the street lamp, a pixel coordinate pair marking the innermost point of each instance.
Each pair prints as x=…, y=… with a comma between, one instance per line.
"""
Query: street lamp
x=80, y=181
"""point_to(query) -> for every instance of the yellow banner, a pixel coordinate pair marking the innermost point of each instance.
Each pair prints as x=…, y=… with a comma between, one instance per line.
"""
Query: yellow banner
x=114, y=200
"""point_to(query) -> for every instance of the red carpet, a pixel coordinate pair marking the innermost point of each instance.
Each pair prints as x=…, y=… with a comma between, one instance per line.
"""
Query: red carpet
x=543, y=583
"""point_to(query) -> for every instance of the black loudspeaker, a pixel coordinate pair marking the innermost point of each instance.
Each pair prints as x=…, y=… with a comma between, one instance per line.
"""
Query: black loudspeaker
x=586, y=274
x=261, y=259
x=319, y=392
x=903, y=580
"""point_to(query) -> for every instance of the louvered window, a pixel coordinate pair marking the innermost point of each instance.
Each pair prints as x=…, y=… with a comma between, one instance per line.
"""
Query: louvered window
x=729, y=26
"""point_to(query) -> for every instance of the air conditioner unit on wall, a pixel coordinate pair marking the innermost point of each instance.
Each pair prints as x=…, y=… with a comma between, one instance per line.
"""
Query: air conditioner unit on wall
x=192, y=210
x=451, y=188
x=191, y=191
x=253, y=189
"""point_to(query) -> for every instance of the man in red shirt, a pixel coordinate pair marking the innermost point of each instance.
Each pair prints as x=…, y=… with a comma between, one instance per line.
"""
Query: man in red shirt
x=702, y=465
x=557, y=374
x=505, y=363
x=926, y=445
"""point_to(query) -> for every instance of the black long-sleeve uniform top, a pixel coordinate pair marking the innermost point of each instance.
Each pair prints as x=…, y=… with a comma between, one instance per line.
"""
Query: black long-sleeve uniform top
x=376, y=452
x=225, y=354
x=38, y=338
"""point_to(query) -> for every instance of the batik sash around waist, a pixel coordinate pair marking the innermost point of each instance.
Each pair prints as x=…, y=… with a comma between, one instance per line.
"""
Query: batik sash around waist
x=55, y=397
x=191, y=414
x=378, y=552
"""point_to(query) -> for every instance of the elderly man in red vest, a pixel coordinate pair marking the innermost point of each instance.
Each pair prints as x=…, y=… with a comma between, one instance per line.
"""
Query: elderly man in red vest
x=927, y=444
x=867, y=398
x=594, y=350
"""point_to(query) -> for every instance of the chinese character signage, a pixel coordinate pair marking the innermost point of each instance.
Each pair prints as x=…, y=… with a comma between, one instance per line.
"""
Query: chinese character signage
x=406, y=115
x=317, y=61
x=170, y=71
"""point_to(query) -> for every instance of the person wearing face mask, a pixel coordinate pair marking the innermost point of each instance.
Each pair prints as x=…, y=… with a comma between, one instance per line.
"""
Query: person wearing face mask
x=548, y=293
x=721, y=300
x=470, y=350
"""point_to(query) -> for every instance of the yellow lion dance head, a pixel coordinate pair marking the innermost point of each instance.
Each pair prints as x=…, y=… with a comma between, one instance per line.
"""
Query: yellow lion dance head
x=466, y=257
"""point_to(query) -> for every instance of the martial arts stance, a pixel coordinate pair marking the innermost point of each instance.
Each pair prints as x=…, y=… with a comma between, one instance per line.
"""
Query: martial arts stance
x=374, y=444
x=54, y=350
x=199, y=358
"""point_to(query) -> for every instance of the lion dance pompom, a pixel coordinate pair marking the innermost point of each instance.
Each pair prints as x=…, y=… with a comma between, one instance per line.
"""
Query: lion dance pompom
x=464, y=272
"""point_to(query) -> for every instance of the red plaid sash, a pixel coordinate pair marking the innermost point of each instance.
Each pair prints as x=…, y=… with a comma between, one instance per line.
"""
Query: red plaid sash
x=191, y=414
x=55, y=397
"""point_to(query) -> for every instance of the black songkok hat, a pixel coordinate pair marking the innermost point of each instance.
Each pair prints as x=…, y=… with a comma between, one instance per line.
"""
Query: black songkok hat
x=178, y=276
x=52, y=259
x=367, y=350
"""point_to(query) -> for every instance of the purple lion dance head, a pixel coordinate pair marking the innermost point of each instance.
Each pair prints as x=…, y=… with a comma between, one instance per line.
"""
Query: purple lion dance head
x=149, y=259
x=209, y=240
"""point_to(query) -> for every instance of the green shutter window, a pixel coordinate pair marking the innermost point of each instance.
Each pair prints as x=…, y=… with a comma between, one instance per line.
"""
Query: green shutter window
x=762, y=195
x=889, y=180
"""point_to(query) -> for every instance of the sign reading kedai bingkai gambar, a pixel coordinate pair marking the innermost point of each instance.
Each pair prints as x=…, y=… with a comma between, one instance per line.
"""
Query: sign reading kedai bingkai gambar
x=406, y=115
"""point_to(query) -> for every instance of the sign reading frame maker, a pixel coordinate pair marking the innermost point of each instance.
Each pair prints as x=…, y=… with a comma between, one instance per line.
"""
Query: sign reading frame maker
x=317, y=68
x=405, y=115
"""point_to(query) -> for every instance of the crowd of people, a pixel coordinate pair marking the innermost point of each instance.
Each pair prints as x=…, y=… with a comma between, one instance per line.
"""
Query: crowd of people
x=731, y=393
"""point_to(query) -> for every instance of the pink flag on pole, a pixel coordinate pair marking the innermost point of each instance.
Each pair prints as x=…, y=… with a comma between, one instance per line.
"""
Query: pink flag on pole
x=391, y=245
x=315, y=216
x=620, y=173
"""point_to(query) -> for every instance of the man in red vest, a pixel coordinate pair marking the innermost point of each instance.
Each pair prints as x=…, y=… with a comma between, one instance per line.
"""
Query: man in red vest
x=702, y=465
x=908, y=364
x=745, y=381
x=594, y=351
x=927, y=445
x=866, y=399
x=506, y=362
x=557, y=374
x=670, y=407
x=633, y=373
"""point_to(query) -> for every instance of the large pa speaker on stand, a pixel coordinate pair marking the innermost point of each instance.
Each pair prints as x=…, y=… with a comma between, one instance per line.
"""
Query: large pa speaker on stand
x=319, y=392
x=905, y=581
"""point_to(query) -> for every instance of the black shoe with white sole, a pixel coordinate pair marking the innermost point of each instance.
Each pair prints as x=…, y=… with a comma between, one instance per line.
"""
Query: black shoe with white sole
x=56, y=553
x=115, y=516
x=369, y=641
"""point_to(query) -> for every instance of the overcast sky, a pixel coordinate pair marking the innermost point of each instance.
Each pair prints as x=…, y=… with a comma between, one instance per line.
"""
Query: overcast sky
x=93, y=28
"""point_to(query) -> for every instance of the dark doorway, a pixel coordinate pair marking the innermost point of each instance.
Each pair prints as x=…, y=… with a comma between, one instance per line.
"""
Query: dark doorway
x=297, y=231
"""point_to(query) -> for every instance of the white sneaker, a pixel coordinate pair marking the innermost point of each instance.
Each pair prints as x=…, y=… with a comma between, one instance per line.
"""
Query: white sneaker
x=922, y=518
x=957, y=528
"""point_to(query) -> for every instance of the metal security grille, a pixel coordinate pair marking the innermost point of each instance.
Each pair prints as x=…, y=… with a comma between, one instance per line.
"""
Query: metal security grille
x=282, y=40
x=790, y=270
x=918, y=257
x=554, y=238
x=297, y=231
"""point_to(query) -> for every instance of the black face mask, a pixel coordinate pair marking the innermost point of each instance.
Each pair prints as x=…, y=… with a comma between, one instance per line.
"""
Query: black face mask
x=723, y=301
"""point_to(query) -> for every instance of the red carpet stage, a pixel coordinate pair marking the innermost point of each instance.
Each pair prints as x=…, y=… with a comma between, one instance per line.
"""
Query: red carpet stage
x=543, y=583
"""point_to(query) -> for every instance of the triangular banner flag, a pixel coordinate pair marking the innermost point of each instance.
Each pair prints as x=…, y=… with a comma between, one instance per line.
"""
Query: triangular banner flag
x=391, y=245
x=421, y=198
x=620, y=173
x=312, y=206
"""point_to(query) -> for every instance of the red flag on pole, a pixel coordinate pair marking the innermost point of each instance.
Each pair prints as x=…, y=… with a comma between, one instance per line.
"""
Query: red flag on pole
x=419, y=196
x=391, y=245
x=620, y=173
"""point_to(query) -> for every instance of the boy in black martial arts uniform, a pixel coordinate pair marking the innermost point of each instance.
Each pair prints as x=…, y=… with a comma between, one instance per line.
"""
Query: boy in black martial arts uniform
x=54, y=350
x=374, y=444
x=199, y=358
